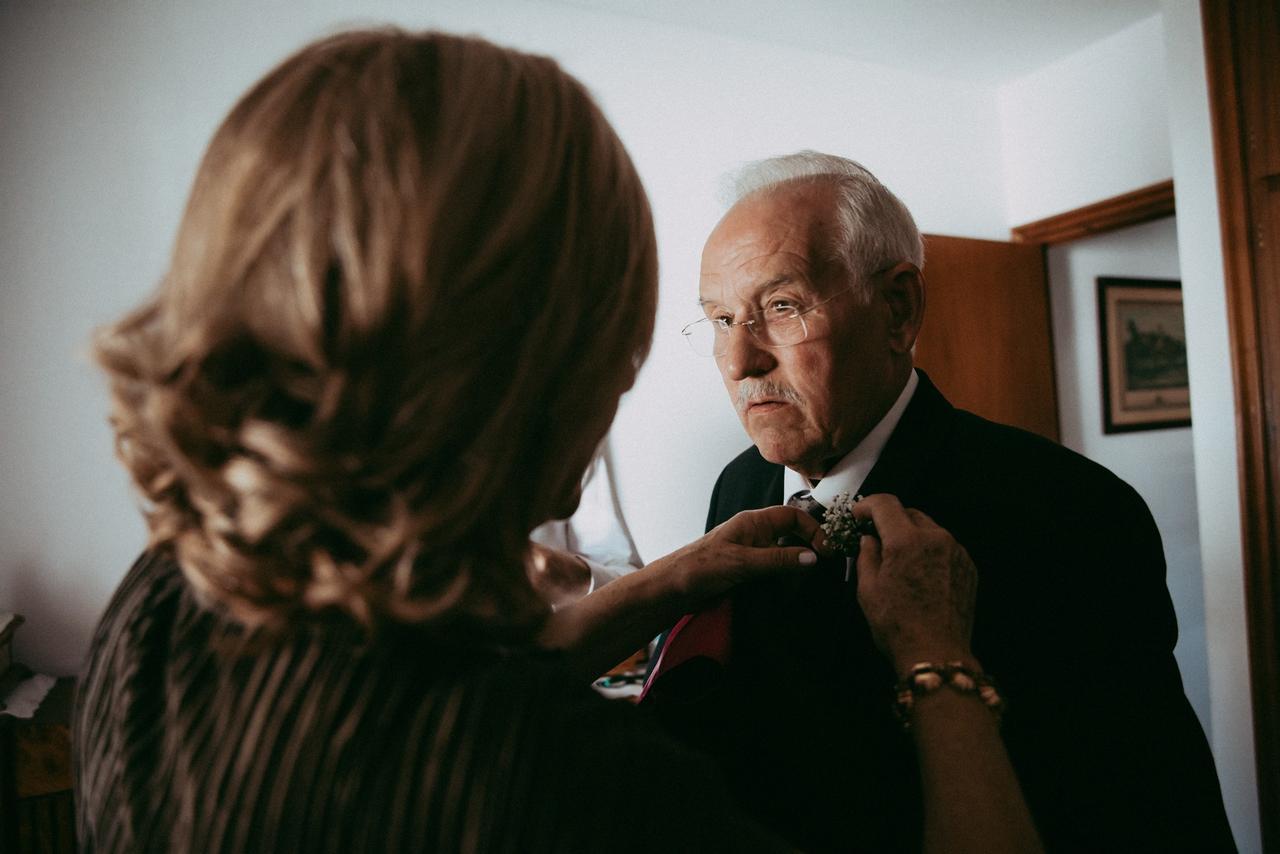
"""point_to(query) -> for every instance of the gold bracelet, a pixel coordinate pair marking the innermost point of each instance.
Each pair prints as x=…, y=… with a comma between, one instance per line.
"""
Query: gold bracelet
x=927, y=677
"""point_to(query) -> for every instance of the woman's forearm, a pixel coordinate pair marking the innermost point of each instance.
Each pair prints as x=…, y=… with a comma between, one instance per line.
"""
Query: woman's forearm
x=597, y=631
x=972, y=800
x=601, y=629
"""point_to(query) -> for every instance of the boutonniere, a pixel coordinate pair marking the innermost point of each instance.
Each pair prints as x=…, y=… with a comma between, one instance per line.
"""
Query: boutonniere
x=844, y=532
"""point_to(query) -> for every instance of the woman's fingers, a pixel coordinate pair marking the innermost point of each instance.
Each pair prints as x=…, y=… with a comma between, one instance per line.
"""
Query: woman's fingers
x=890, y=517
x=869, y=557
x=765, y=558
x=765, y=527
x=915, y=582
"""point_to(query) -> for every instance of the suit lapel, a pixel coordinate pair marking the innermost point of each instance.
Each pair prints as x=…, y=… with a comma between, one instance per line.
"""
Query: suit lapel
x=911, y=450
x=757, y=484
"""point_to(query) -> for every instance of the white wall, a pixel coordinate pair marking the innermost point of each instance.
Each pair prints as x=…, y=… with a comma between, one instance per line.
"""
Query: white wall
x=1159, y=464
x=1089, y=126
x=107, y=107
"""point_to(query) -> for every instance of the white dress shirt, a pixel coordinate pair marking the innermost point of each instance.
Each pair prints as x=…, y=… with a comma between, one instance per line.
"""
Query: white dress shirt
x=848, y=474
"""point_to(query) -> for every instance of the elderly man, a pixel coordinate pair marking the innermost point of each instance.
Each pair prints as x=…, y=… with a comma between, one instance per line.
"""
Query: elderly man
x=813, y=296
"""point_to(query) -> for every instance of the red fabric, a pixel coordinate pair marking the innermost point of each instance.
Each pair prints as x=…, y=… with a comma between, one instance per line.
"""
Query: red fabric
x=706, y=634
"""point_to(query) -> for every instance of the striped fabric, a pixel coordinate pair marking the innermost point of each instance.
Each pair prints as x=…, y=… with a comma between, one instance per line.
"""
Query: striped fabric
x=191, y=736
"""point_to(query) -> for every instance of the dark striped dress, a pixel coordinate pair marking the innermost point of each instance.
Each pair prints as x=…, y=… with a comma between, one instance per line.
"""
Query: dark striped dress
x=190, y=736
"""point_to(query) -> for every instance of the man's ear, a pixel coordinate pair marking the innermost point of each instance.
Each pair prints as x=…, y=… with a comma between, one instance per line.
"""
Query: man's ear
x=903, y=292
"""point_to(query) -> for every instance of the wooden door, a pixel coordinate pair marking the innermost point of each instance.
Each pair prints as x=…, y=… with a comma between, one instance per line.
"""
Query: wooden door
x=987, y=338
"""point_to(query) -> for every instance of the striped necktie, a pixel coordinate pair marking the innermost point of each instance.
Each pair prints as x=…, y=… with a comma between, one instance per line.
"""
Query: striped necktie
x=805, y=501
x=831, y=567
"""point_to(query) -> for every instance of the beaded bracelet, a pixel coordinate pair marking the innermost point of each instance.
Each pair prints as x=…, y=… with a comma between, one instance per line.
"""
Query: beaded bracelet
x=927, y=677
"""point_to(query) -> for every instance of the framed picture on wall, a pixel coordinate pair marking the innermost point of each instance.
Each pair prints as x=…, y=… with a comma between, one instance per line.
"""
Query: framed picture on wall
x=1144, y=354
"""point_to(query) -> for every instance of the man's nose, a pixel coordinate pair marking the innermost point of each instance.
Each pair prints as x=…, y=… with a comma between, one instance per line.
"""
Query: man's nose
x=744, y=356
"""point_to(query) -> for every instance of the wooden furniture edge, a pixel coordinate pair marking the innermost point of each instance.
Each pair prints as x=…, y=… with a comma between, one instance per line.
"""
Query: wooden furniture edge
x=1142, y=205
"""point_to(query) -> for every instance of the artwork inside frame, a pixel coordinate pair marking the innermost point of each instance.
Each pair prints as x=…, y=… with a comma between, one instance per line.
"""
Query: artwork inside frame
x=1144, y=354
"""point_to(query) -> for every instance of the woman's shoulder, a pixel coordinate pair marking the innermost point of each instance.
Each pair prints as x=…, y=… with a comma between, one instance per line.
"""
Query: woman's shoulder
x=541, y=761
x=143, y=604
x=153, y=580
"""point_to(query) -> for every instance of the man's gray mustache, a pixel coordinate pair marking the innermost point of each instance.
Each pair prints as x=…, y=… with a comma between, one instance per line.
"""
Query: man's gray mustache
x=749, y=390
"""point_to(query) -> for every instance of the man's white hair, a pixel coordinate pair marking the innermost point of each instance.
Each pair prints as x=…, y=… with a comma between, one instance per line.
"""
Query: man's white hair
x=874, y=228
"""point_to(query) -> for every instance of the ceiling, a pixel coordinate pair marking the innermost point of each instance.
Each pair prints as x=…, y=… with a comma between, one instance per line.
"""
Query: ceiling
x=986, y=42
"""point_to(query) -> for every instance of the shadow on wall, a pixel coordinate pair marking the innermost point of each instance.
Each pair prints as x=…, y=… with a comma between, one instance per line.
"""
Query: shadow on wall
x=59, y=622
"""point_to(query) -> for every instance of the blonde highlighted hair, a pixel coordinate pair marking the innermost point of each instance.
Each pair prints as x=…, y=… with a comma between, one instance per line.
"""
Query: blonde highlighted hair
x=415, y=273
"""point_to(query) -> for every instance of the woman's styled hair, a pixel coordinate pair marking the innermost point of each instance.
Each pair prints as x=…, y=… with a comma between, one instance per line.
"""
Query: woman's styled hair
x=874, y=228
x=415, y=274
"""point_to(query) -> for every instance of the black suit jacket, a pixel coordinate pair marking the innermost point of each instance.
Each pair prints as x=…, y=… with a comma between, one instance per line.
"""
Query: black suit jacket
x=1073, y=619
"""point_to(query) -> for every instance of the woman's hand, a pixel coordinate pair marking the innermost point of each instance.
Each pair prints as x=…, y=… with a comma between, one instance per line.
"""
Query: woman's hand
x=742, y=548
x=559, y=577
x=601, y=629
x=916, y=585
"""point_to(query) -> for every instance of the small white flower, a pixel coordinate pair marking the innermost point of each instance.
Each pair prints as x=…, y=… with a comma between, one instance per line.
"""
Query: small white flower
x=843, y=531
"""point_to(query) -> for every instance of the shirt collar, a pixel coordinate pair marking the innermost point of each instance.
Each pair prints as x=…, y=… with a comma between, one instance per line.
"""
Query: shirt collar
x=848, y=474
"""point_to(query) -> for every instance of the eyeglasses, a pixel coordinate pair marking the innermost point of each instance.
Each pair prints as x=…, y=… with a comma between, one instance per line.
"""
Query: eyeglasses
x=780, y=324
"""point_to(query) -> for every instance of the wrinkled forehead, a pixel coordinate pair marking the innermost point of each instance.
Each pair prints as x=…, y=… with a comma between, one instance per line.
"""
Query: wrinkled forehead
x=746, y=275
x=783, y=237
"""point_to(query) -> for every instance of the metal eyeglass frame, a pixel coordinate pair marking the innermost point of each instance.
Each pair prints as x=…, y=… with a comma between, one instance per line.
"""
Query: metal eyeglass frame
x=690, y=329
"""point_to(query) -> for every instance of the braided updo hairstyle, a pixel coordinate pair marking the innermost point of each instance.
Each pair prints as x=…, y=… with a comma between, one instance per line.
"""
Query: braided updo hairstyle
x=415, y=273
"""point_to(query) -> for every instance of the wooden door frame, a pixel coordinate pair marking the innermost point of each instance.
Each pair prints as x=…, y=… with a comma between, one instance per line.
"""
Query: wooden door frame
x=1241, y=52
x=1133, y=208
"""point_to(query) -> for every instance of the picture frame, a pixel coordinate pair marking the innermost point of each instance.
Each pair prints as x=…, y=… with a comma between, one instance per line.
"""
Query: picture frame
x=1144, y=354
